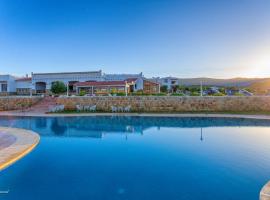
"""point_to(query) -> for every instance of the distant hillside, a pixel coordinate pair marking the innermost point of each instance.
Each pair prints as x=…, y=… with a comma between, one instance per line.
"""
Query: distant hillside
x=237, y=82
x=261, y=87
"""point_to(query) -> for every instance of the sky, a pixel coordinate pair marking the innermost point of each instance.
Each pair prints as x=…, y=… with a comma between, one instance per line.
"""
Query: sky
x=184, y=38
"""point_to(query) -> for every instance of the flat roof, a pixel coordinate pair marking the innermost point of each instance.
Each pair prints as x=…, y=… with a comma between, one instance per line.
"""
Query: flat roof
x=102, y=83
x=52, y=73
x=24, y=79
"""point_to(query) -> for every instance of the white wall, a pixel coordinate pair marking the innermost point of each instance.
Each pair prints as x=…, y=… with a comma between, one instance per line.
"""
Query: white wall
x=121, y=77
x=10, y=80
x=49, y=78
x=23, y=84
x=139, y=84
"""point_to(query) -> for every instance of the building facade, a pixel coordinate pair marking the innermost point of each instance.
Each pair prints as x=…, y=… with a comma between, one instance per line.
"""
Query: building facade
x=23, y=86
x=7, y=84
x=41, y=83
x=169, y=82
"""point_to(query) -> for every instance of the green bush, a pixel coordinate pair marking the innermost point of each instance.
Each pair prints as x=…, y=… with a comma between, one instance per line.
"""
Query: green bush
x=164, y=89
x=238, y=94
x=177, y=94
x=218, y=94
x=58, y=87
x=195, y=94
x=159, y=94
x=82, y=93
x=120, y=94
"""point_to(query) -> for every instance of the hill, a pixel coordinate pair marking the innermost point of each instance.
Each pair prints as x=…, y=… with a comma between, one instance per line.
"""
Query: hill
x=261, y=87
x=236, y=82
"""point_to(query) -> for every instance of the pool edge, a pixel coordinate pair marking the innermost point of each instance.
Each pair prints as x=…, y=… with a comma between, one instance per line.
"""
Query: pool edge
x=26, y=141
x=29, y=114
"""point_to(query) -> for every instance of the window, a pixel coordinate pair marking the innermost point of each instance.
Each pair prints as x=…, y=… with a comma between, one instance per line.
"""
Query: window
x=4, y=87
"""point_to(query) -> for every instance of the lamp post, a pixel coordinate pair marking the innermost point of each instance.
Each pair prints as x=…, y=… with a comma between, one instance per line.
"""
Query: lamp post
x=126, y=89
x=67, y=88
x=201, y=89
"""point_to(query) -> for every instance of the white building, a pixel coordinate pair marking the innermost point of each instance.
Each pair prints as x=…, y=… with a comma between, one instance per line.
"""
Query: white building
x=121, y=77
x=42, y=82
x=7, y=84
x=169, y=82
x=137, y=78
x=23, y=85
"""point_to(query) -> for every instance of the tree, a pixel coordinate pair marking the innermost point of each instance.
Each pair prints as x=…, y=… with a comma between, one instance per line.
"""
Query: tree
x=58, y=87
x=175, y=88
x=164, y=88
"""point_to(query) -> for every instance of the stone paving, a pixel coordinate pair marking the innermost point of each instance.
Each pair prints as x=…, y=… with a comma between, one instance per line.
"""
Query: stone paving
x=265, y=192
x=6, y=140
x=16, y=143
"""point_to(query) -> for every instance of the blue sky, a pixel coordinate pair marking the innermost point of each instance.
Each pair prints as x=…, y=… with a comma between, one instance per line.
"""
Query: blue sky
x=185, y=38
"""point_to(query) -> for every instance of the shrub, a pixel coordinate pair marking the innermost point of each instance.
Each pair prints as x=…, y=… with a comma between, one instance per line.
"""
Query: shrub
x=238, y=94
x=164, y=88
x=82, y=93
x=218, y=94
x=58, y=87
x=160, y=94
x=195, y=94
x=177, y=94
x=121, y=94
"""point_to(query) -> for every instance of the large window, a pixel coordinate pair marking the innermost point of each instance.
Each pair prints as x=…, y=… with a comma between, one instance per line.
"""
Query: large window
x=4, y=87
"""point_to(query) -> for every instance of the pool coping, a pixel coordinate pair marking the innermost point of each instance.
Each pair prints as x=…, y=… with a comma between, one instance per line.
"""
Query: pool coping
x=265, y=192
x=25, y=142
x=29, y=114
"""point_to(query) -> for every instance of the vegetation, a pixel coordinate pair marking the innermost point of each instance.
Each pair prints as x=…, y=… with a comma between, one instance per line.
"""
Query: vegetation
x=218, y=94
x=164, y=89
x=238, y=94
x=177, y=94
x=82, y=93
x=120, y=94
x=58, y=87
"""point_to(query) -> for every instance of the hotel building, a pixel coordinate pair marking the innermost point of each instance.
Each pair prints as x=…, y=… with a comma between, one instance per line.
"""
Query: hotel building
x=92, y=82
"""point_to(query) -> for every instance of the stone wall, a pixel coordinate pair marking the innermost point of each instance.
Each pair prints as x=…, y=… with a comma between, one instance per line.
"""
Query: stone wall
x=172, y=104
x=17, y=103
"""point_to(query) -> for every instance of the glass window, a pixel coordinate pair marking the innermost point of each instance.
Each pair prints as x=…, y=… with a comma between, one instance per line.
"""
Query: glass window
x=4, y=87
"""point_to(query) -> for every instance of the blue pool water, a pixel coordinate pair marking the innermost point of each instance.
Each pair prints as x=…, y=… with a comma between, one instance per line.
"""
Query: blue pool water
x=140, y=158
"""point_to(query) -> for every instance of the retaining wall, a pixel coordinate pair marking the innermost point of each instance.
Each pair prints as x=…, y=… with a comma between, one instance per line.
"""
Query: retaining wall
x=172, y=104
x=16, y=103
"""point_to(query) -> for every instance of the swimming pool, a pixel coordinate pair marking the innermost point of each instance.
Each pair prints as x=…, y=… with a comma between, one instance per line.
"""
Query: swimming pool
x=140, y=158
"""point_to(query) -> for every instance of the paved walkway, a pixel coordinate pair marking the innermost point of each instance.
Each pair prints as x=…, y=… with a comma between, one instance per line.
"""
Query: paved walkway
x=16, y=143
x=265, y=192
x=43, y=106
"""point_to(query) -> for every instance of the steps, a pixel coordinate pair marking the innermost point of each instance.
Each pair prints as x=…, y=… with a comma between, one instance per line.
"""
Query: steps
x=44, y=105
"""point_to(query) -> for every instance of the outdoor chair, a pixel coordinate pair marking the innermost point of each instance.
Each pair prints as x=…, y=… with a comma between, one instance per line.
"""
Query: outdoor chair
x=114, y=108
x=86, y=108
x=120, y=109
x=127, y=109
x=58, y=108
x=79, y=108
x=93, y=108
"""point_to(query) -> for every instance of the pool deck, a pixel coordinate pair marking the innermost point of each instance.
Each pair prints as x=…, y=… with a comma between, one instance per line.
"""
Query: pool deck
x=41, y=114
x=15, y=144
x=265, y=192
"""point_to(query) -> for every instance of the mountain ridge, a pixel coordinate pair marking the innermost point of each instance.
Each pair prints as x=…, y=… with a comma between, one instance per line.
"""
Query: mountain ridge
x=236, y=82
